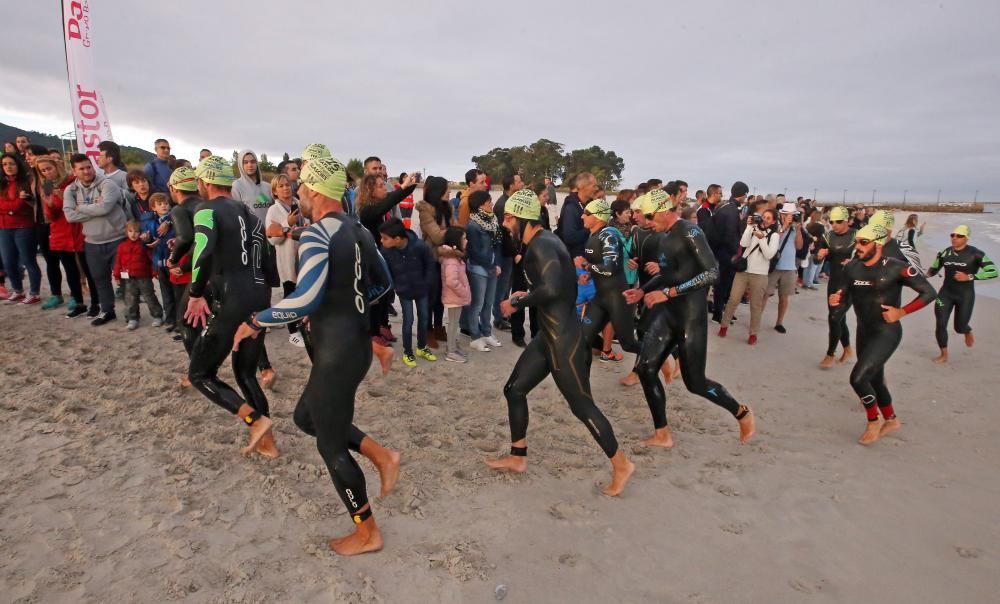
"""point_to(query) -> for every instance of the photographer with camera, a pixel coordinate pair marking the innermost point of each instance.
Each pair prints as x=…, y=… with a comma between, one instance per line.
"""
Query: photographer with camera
x=759, y=245
x=783, y=273
x=285, y=214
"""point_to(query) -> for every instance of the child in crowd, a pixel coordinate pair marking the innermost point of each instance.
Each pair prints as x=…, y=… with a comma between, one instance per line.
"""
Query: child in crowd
x=455, y=290
x=134, y=268
x=410, y=262
x=159, y=237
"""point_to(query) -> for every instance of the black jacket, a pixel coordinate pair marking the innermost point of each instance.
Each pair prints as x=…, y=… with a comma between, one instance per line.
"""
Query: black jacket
x=373, y=215
x=570, y=228
x=726, y=231
x=411, y=267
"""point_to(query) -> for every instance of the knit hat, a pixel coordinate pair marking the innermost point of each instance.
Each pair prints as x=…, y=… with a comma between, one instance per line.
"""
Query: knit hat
x=654, y=202
x=326, y=176
x=962, y=230
x=739, y=189
x=883, y=218
x=523, y=204
x=873, y=232
x=839, y=213
x=599, y=208
x=215, y=171
x=184, y=179
x=315, y=151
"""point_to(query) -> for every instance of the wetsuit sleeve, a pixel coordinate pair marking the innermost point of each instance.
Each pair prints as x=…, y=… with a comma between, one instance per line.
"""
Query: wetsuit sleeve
x=611, y=258
x=925, y=291
x=205, y=239
x=314, y=264
x=698, y=246
x=183, y=233
x=987, y=270
x=936, y=265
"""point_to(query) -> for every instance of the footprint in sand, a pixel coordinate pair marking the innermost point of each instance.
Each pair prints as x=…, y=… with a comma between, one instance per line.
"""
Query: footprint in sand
x=807, y=586
x=968, y=552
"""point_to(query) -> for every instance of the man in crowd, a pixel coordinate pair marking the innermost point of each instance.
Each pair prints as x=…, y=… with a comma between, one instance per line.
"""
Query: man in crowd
x=726, y=230
x=158, y=169
x=204, y=153
x=571, y=230
x=475, y=180
x=782, y=278
x=551, y=188
x=110, y=161
x=511, y=184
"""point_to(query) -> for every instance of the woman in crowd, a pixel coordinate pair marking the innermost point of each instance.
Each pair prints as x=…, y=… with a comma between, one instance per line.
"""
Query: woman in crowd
x=760, y=244
x=285, y=213
x=483, y=232
x=907, y=240
x=435, y=217
x=18, y=244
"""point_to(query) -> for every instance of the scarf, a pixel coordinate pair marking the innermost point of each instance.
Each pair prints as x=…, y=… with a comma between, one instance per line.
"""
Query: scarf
x=488, y=222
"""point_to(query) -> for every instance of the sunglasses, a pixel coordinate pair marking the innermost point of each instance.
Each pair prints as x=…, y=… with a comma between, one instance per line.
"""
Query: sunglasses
x=862, y=241
x=585, y=213
x=838, y=221
x=953, y=235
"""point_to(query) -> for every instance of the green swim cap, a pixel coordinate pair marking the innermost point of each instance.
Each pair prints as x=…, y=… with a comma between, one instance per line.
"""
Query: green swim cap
x=315, y=151
x=523, y=204
x=874, y=232
x=962, y=230
x=839, y=213
x=215, y=171
x=600, y=209
x=654, y=202
x=326, y=176
x=883, y=218
x=184, y=179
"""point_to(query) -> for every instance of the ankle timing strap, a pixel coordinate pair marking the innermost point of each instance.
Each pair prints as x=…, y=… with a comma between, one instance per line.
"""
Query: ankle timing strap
x=362, y=516
x=742, y=412
x=252, y=417
x=519, y=451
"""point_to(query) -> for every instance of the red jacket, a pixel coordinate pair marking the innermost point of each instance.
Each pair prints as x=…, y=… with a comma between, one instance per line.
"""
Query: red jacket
x=15, y=213
x=185, y=277
x=64, y=236
x=135, y=259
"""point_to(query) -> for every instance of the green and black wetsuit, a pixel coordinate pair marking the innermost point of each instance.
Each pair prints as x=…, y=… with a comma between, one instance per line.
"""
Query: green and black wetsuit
x=958, y=296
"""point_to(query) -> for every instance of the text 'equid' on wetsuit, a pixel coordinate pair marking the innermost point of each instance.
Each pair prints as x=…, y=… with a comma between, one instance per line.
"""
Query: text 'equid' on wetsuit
x=688, y=266
x=958, y=296
x=605, y=253
x=561, y=349
x=841, y=250
x=340, y=274
x=867, y=288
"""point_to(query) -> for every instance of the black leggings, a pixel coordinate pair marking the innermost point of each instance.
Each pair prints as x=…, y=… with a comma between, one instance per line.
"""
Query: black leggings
x=875, y=346
x=961, y=302
x=567, y=358
x=610, y=306
x=52, y=259
x=839, y=332
x=436, y=307
x=681, y=323
x=72, y=268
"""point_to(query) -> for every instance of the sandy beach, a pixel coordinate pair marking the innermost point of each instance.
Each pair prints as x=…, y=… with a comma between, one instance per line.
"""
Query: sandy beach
x=120, y=486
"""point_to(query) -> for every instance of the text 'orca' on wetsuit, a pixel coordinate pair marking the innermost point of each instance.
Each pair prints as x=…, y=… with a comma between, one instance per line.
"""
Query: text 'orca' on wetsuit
x=959, y=296
x=605, y=253
x=841, y=250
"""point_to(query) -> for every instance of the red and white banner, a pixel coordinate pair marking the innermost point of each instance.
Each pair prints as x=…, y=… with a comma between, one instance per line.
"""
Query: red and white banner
x=90, y=117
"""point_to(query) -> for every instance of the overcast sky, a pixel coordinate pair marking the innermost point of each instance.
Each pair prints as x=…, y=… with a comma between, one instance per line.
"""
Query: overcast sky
x=887, y=95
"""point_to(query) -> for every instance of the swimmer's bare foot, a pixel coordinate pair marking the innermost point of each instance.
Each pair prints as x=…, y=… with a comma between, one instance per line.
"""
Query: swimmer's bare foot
x=661, y=438
x=970, y=339
x=384, y=354
x=267, y=378
x=827, y=362
x=890, y=425
x=941, y=358
x=667, y=372
x=872, y=432
x=621, y=470
x=258, y=430
x=510, y=463
x=362, y=541
x=185, y=382
x=847, y=355
x=267, y=447
x=747, y=427
x=386, y=462
x=630, y=380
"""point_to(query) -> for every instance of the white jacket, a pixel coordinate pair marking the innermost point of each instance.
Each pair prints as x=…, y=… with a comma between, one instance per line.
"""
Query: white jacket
x=759, y=252
x=286, y=250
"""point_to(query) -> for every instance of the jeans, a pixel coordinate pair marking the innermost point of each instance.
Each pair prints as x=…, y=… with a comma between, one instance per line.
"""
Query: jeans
x=483, y=289
x=503, y=285
x=811, y=272
x=453, y=317
x=167, y=293
x=19, y=249
x=133, y=287
x=101, y=261
x=422, y=311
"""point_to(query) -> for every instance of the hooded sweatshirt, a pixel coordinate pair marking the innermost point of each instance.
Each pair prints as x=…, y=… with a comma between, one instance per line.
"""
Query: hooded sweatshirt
x=256, y=196
x=99, y=206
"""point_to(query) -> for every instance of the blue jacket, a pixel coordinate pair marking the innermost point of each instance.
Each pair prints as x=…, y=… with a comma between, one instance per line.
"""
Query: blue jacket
x=480, y=251
x=411, y=267
x=571, y=229
x=158, y=173
x=161, y=252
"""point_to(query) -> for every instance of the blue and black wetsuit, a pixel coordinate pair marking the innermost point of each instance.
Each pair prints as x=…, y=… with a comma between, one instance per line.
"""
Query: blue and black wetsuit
x=958, y=296
x=605, y=253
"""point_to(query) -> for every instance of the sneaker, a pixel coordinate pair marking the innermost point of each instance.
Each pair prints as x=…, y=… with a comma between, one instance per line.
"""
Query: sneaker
x=31, y=299
x=480, y=345
x=52, y=302
x=426, y=354
x=493, y=341
x=295, y=339
x=157, y=322
x=15, y=297
x=455, y=357
x=76, y=311
x=723, y=330
x=716, y=318
x=780, y=328
x=409, y=360
x=103, y=317
x=752, y=340
x=133, y=324
x=94, y=311
x=502, y=325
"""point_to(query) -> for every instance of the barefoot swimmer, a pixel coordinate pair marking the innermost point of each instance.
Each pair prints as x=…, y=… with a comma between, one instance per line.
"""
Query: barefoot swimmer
x=677, y=302
x=229, y=250
x=837, y=247
x=340, y=273
x=561, y=350
x=874, y=285
x=963, y=265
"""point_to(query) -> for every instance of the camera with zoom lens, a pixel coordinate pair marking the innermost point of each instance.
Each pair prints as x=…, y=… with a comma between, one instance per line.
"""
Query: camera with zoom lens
x=758, y=220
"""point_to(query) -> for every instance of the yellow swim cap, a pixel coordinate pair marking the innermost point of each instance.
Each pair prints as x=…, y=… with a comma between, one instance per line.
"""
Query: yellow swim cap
x=839, y=213
x=523, y=204
x=184, y=179
x=654, y=202
x=599, y=208
x=326, y=176
x=215, y=171
x=873, y=232
x=962, y=230
x=315, y=151
x=883, y=218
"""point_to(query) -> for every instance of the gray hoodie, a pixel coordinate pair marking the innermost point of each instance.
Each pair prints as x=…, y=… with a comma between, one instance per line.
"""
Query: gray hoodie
x=99, y=206
x=255, y=196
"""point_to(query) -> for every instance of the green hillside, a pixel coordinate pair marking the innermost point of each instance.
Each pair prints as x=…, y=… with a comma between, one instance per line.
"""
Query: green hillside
x=8, y=133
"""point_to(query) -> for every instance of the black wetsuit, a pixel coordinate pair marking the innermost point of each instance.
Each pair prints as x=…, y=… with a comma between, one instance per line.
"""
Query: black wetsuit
x=561, y=349
x=841, y=250
x=605, y=253
x=959, y=296
x=892, y=250
x=229, y=253
x=687, y=264
x=340, y=274
x=868, y=288
x=182, y=216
